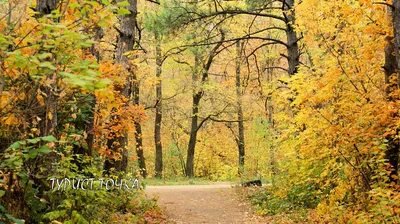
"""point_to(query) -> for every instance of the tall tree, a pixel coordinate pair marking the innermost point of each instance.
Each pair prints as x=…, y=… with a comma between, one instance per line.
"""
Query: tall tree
x=126, y=39
x=87, y=122
x=197, y=96
x=48, y=114
x=138, y=128
x=240, y=140
x=219, y=15
x=293, y=52
x=49, y=117
x=158, y=117
x=392, y=81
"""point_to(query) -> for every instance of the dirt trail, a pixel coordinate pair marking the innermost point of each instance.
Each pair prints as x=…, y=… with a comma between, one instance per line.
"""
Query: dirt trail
x=216, y=203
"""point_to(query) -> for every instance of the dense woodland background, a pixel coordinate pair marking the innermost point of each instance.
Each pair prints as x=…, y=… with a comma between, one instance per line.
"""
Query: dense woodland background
x=303, y=94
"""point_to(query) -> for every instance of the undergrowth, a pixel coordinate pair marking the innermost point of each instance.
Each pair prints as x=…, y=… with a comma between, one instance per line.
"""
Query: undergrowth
x=29, y=195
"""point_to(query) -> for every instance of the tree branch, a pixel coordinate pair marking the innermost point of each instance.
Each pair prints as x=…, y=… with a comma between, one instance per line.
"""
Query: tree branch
x=239, y=12
x=277, y=67
x=152, y=1
x=383, y=3
x=209, y=117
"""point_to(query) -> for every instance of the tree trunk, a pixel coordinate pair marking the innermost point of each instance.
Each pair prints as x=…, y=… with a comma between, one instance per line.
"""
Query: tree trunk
x=392, y=63
x=193, y=134
x=125, y=44
x=239, y=110
x=396, y=27
x=48, y=113
x=269, y=109
x=89, y=128
x=1, y=82
x=196, y=103
x=138, y=131
x=293, y=56
x=158, y=118
x=44, y=7
x=139, y=149
x=88, y=125
x=49, y=117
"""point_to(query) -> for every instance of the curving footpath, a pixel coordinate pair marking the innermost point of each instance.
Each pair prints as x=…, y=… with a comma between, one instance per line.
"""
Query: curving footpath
x=192, y=204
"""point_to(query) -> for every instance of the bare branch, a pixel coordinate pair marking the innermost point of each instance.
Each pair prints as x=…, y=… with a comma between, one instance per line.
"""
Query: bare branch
x=277, y=67
x=383, y=3
x=209, y=117
x=152, y=1
x=239, y=12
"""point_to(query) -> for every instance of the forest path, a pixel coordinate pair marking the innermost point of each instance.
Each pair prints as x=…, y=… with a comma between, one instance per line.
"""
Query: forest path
x=216, y=203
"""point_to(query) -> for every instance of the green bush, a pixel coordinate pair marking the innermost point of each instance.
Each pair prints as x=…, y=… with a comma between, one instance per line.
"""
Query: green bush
x=28, y=191
x=297, y=198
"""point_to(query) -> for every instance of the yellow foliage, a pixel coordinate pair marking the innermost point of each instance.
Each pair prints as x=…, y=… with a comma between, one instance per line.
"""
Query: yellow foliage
x=11, y=120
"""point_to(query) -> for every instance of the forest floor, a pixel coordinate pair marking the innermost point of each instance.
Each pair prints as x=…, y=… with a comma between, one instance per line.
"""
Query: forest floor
x=214, y=203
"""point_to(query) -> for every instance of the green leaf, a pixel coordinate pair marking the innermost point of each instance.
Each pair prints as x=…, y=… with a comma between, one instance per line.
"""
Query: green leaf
x=102, y=83
x=76, y=82
x=47, y=64
x=123, y=4
x=24, y=177
x=45, y=149
x=92, y=72
x=74, y=5
x=49, y=138
x=33, y=141
x=88, y=43
x=17, y=163
x=45, y=55
x=102, y=23
x=33, y=153
x=15, y=145
x=78, y=218
x=67, y=74
x=123, y=11
x=2, y=209
x=54, y=214
x=2, y=193
x=12, y=218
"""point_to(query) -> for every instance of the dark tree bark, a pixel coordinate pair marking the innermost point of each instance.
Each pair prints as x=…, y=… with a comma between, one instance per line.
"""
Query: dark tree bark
x=45, y=7
x=293, y=56
x=193, y=134
x=240, y=141
x=125, y=44
x=48, y=121
x=390, y=67
x=88, y=125
x=158, y=118
x=138, y=131
x=189, y=170
x=392, y=74
x=195, y=106
x=396, y=27
x=48, y=113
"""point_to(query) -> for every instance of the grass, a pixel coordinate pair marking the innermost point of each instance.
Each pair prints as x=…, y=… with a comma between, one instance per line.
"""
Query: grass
x=191, y=181
x=176, y=181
